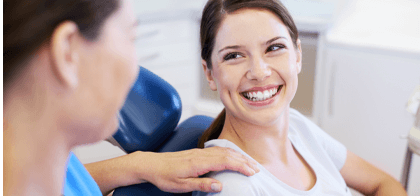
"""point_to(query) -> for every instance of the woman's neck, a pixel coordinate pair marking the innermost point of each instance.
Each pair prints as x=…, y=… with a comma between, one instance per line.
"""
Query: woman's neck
x=266, y=144
x=35, y=151
x=270, y=146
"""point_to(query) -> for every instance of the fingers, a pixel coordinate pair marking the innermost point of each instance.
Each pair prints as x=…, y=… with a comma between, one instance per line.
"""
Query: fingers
x=235, y=164
x=180, y=170
x=228, y=159
x=249, y=161
x=208, y=185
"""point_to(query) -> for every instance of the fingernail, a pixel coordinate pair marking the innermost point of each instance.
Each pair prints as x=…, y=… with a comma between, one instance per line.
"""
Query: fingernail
x=251, y=171
x=257, y=169
x=215, y=187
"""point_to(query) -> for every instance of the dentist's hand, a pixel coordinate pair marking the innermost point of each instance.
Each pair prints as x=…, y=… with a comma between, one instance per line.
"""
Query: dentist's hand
x=174, y=172
x=178, y=172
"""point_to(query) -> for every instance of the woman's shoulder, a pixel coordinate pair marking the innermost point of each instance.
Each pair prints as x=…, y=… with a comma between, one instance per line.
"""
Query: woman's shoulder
x=231, y=177
x=234, y=183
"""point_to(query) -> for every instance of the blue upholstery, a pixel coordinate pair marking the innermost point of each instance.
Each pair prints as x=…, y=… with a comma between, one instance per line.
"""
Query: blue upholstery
x=148, y=122
x=187, y=133
x=150, y=113
x=185, y=137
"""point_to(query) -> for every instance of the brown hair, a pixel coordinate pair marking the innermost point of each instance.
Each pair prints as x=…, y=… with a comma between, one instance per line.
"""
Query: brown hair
x=214, y=13
x=29, y=24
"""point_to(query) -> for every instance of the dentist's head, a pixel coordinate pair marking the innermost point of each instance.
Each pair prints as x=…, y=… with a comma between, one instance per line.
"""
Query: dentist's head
x=68, y=65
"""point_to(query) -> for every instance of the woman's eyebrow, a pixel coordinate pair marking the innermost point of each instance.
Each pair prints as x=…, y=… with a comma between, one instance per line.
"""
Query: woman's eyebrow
x=274, y=39
x=266, y=43
x=230, y=47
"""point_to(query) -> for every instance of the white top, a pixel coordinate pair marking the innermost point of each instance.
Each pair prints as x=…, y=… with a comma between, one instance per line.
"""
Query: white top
x=325, y=155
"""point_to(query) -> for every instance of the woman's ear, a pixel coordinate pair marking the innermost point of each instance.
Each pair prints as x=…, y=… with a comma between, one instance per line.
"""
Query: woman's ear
x=64, y=53
x=299, y=55
x=209, y=75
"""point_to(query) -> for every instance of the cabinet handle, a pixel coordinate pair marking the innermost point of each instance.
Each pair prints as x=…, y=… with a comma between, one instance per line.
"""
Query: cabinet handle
x=148, y=34
x=148, y=57
x=331, y=89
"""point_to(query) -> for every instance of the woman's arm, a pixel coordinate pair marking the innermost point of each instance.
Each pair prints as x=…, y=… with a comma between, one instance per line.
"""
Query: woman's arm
x=367, y=179
x=171, y=171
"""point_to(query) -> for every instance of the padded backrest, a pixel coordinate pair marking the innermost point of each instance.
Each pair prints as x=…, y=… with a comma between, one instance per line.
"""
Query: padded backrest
x=150, y=114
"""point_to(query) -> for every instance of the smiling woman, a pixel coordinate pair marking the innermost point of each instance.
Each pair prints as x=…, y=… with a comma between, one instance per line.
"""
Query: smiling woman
x=252, y=56
x=275, y=40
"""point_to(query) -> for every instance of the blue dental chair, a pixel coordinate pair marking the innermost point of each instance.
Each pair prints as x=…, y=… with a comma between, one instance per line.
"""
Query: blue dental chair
x=149, y=122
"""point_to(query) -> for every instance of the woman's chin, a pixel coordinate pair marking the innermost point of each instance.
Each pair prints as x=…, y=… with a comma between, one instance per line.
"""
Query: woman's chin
x=266, y=117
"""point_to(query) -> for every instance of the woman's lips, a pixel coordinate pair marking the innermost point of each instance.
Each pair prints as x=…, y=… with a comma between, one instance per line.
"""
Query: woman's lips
x=256, y=102
x=263, y=88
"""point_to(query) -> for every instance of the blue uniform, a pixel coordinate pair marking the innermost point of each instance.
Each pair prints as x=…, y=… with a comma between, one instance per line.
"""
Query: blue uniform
x=78, y=180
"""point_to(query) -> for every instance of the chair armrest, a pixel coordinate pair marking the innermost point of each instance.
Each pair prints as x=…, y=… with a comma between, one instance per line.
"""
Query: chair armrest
x=144, y=189
x=187, y=134
x=186, y=137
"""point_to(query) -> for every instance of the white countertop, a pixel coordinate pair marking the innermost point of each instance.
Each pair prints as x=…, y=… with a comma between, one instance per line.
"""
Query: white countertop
x=392, y=25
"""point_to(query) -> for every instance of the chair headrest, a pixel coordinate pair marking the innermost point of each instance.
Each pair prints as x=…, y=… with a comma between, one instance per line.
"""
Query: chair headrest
x=150, y=113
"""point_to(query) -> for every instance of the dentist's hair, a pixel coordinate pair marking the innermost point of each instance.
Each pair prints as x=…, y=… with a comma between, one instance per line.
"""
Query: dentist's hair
x=29, y=24
x=213, y=14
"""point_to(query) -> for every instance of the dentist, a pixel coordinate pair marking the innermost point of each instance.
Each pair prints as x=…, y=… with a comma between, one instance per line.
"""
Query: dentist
x=68, y=66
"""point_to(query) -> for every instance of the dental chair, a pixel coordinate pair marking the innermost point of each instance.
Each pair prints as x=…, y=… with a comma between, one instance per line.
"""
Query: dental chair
x=149, y=122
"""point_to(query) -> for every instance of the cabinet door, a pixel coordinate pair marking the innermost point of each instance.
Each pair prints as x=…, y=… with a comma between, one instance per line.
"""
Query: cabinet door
x=365, y=100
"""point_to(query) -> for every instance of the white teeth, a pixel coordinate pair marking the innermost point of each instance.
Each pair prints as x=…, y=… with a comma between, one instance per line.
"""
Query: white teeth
x=267, y=94
x=260, y=96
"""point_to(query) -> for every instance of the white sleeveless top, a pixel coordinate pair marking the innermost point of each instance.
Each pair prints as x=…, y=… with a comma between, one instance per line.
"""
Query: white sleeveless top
x=325, y=155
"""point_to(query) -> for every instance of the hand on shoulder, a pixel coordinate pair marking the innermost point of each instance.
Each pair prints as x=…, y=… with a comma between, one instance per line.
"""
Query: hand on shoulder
x=179, y=171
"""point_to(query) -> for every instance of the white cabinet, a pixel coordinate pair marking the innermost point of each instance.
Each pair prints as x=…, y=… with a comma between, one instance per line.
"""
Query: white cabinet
x=170, y=49
x=364, y=103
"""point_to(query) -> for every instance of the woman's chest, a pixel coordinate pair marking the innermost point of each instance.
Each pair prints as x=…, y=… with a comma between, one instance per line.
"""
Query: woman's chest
x=298, y=175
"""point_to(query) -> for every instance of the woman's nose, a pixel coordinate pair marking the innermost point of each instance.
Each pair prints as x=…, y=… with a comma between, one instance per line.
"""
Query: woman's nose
x=259, y=70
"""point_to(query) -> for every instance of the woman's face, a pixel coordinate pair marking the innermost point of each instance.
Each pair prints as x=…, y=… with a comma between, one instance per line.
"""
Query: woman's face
x=255, y=66
x=108, y=70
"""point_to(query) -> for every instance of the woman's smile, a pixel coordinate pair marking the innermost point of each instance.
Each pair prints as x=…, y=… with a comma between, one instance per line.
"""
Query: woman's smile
x=261, y=96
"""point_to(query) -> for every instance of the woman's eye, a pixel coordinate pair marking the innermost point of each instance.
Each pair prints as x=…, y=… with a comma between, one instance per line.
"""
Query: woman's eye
x=232, y=56
x=275, y=47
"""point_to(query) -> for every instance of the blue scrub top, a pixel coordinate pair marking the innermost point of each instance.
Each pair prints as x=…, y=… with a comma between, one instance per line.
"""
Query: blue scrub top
x=78, y=180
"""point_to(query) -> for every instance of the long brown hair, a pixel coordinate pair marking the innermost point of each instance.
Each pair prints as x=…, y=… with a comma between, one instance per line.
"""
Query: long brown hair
x=213, y=14
x=29, y=24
